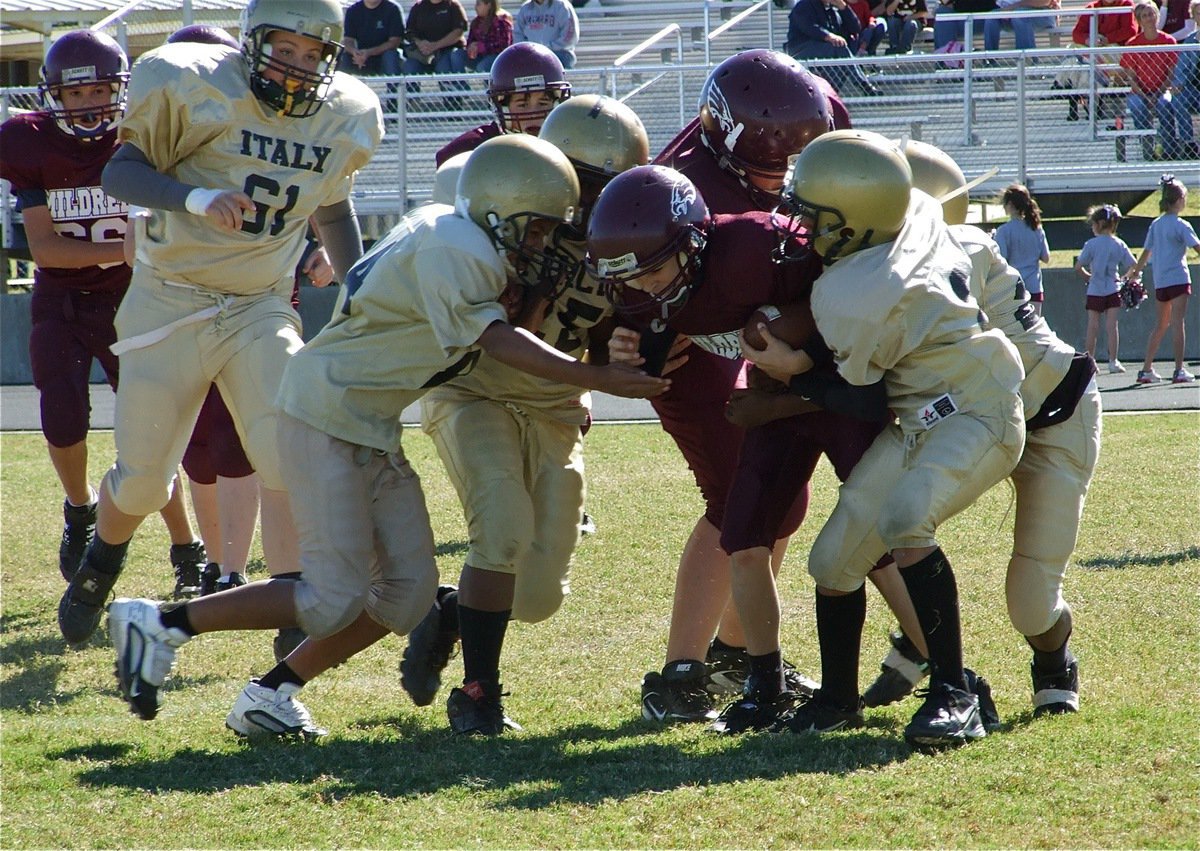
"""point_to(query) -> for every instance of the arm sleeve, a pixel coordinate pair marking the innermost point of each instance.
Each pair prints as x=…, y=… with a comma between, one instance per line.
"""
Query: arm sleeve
x=130, y=177
x=340, y=235
x=866, y=402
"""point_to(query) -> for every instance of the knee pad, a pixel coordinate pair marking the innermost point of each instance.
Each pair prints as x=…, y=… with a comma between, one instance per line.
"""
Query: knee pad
x=139, y=493
x=400, y=604
x=321, y=612
x=536, y=602
x=1033, y=591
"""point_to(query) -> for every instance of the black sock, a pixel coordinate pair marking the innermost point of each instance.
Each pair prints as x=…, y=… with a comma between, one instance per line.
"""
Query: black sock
x=719, y=645
x=448, y=604
x=176, y=617
x=934, y=593
x=766, y=676
x=106, y=558
x=279, y=675
x=840, y=622
x=482, y=640
x=1052, y=661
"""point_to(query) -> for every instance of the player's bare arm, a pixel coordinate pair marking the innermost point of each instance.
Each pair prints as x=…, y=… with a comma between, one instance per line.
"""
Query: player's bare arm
x=777, y=359
x=50, y=248
x=521, y=350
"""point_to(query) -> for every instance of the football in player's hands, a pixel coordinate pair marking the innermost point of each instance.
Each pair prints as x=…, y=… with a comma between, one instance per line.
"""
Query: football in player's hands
x=791, y=323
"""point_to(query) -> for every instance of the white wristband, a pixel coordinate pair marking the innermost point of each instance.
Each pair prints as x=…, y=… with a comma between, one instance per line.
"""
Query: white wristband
x=198, y=200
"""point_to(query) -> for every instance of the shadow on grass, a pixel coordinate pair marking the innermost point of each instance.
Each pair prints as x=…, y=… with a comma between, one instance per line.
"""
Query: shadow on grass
x=584, y=764
x=1124, y=560
x=450, y=548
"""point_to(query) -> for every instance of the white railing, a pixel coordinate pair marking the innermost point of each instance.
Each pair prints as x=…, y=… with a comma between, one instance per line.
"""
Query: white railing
x=710, y=35
x=624, y=59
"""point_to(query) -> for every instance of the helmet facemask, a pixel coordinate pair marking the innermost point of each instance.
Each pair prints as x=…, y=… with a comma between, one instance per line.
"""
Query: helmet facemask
x=84, y=60
x=615, y=276
x=301, y=92
x=531, y=259
x=86, y=123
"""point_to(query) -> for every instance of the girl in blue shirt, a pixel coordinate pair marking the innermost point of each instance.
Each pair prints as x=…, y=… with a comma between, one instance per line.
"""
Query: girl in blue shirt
x=1023, y=242
x=1167, y=243
x=1103, y=260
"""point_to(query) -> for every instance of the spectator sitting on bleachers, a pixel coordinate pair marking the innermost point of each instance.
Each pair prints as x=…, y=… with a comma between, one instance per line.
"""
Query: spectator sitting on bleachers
x=1149, y=76
x=372, y=35
x=945, y=31
x=823, y=29
x=904, y=20
x=1024, y=28
x=1110, y=29
x=490, y=33
x=552, y=23
x=873, y=28
x=435, y=38
x=1175, y=20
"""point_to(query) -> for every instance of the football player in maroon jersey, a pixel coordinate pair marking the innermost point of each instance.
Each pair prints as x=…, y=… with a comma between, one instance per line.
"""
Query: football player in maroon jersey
x=75, y=231
x=526, y=82
x=758, y=108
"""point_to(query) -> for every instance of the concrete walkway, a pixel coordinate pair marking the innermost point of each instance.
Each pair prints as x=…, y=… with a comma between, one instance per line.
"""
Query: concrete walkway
x=19, y=403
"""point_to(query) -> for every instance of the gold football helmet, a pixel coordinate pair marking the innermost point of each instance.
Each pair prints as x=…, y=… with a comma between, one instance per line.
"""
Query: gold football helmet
x=936, y=173
x=853, y=188
x=508, y=185
x=601, y=137
x=301, y=92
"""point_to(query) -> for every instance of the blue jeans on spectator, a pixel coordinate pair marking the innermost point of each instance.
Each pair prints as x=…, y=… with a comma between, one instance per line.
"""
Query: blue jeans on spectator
x=483, y=64
x=1024, y=31
x=901, y=33
x=450, y=60
x=945, y=32
x=869, y=39
x=566, y=57
x=386, y=64
x=1172, y=115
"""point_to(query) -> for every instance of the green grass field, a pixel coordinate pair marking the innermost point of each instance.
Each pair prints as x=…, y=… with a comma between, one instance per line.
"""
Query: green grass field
x=79, y=771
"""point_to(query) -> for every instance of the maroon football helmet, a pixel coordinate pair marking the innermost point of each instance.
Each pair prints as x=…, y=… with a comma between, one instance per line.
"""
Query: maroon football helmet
x=526, y=67
x=759, y=108
x=203, y=34
x=643, y=218
x=80, y=58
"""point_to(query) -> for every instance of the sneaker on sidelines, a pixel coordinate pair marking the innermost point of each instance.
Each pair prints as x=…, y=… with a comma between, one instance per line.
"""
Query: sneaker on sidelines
x=1056, y=693
x=430, y=646
x=948, y=717
x=678, y=694
x=820, y=716
x=900, y=672
x=752, y=712
x=476, y=710
x=1150, y=377
x=1182, y=376
x=286, y=640
x=261, y=711
x=982, y=689
x=145, y=652
x=587, y=525
x=1115, y=366
x=79, y=527
x=189, y=561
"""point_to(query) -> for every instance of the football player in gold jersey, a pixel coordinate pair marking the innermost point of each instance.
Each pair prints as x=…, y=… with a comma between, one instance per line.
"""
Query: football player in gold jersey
x=894, y=303
x=233, y=151
x=421, y=308
x=512, y=444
